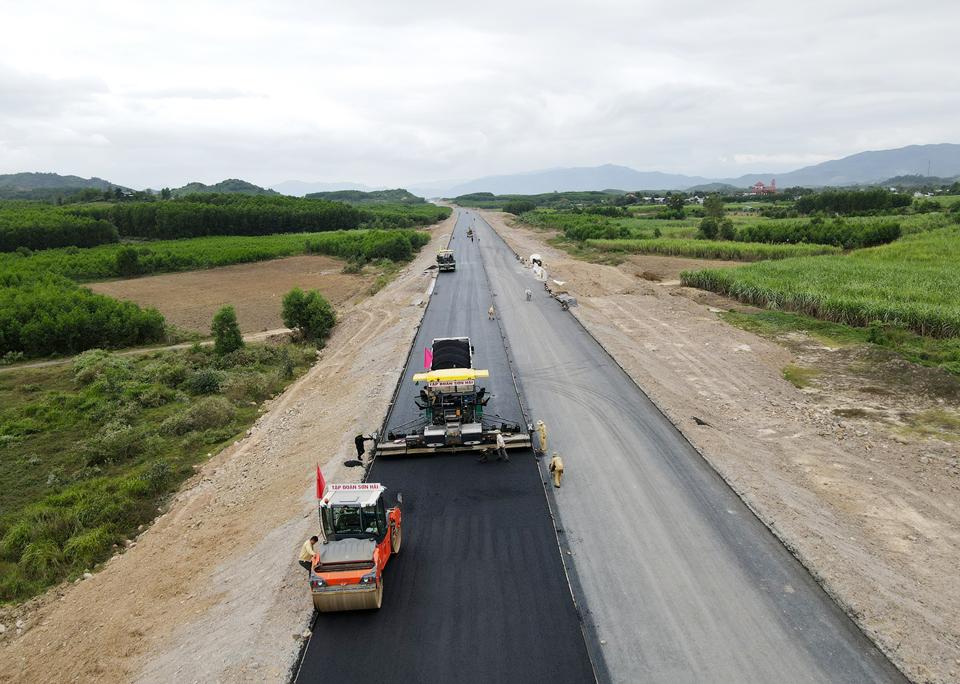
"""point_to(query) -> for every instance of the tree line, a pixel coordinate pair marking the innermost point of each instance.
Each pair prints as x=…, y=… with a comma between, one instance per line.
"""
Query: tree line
x=30, y=225
x=851, y=202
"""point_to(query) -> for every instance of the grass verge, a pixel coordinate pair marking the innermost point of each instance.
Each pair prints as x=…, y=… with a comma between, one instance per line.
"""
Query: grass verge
x=927, y=351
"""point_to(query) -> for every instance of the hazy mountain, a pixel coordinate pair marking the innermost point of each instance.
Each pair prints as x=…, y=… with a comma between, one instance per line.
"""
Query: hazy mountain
x=229, y=185
x=576, y=178
x=300, y=188
x=867, y=167
x=862, y=168
x=37, y=181
x=398, y=196
x=45, y=186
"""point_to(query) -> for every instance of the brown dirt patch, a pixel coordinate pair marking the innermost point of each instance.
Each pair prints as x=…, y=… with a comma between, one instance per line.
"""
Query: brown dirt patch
x=668, y=268
x=854, y=472
x=189, y=300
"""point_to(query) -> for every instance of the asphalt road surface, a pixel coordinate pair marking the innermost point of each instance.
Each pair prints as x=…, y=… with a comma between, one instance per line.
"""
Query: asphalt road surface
x=678, y=580
x=478, y=592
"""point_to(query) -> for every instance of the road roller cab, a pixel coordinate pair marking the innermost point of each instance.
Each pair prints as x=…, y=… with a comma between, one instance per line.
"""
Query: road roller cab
x=360, y=535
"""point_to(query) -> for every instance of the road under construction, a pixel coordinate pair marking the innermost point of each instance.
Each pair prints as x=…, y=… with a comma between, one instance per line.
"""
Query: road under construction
x=644, y=566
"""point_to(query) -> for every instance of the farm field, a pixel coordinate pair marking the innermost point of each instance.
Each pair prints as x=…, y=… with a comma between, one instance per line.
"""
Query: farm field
x=189, y=300
x=911, y=283
x=712, y=249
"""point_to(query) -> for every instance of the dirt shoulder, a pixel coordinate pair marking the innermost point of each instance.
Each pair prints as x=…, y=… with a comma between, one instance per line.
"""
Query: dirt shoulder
x=212, y=591
x=190, y=299
x=869, y=508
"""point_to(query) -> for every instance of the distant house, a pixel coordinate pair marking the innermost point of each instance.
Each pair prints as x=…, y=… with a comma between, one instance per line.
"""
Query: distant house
x=760, y=188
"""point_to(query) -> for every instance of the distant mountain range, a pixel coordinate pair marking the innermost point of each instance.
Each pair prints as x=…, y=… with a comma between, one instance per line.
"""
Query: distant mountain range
x=864, y=168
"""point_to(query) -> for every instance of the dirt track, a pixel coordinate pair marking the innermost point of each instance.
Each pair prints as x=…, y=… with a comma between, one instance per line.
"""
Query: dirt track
x=874, y=518
x=190, y=299
x=211, y=592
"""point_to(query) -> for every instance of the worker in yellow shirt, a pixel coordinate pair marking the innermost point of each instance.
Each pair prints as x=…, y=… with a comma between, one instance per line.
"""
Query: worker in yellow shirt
x=307, y=553
x=542, y=434
x=556, y=469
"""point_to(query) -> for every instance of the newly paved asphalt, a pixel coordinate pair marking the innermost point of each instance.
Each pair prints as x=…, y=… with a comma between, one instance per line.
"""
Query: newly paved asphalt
x=478, y=592
x=676, y=579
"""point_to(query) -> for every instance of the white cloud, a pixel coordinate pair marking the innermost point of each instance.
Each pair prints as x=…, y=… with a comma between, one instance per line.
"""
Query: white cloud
x=391, y=93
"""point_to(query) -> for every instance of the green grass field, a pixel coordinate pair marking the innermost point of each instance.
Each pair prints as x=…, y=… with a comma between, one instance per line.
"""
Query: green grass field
x=88, y=451
x=913, y=283
x=711, y=249
x=162, y=256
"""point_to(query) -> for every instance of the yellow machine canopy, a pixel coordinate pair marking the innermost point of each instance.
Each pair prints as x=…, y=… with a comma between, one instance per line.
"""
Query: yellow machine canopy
x=451, y=375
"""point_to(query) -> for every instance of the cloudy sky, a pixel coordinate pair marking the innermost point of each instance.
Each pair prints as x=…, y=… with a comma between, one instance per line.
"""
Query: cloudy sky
x=393, y=93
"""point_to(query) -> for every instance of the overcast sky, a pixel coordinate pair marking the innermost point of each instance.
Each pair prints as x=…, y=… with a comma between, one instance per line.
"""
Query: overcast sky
x=394, y=93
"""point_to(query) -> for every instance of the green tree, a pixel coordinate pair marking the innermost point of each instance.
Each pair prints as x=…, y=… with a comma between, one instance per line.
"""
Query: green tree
x=309, y=313
x=517, y=207
x=166, y=193
x=713, y=206
x=709, y=228
x=128, y=261
x=226, y=331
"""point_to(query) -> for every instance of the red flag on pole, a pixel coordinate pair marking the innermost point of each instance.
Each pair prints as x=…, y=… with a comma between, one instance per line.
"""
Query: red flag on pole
x=321, y=483
x=427, y=358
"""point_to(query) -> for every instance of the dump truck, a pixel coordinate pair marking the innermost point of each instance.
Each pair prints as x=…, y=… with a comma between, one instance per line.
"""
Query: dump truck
x=445, y=260
x=360, y=534
x=452, y=406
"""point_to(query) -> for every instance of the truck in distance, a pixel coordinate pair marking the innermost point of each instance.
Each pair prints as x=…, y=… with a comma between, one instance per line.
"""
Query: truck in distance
x=445, y=260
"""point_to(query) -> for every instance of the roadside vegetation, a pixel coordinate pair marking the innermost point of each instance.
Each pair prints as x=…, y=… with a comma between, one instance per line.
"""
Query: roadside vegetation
x=44, y=311
x=89, y=451
x=911, y=284
x=711, y=249
x=28, y=226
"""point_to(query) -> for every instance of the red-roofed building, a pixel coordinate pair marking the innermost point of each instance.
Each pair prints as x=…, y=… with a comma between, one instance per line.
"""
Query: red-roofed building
x=760, y=188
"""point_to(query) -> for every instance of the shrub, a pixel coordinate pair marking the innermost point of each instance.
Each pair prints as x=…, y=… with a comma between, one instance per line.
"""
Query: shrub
x=113, y=443
x=40, y=559
x=209, y=412
x=248, y=387
x=309, y=313
x=153, y=396
x=95, y=364
x=128, y=261
x=87, y=547
x=226, y=331
x=203, y=381
x=15, y=541
x=517, y=207
x=156, y=476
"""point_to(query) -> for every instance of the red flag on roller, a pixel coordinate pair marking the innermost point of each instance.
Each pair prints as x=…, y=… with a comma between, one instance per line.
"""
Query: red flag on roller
x=321, y=483
x=427, y=358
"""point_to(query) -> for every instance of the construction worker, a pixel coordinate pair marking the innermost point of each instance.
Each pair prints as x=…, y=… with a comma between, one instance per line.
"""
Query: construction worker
x=556, y=469
x=542, y=435
x=358, y=442
x=491, y=312
x=501, y=448
x=307, y=553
